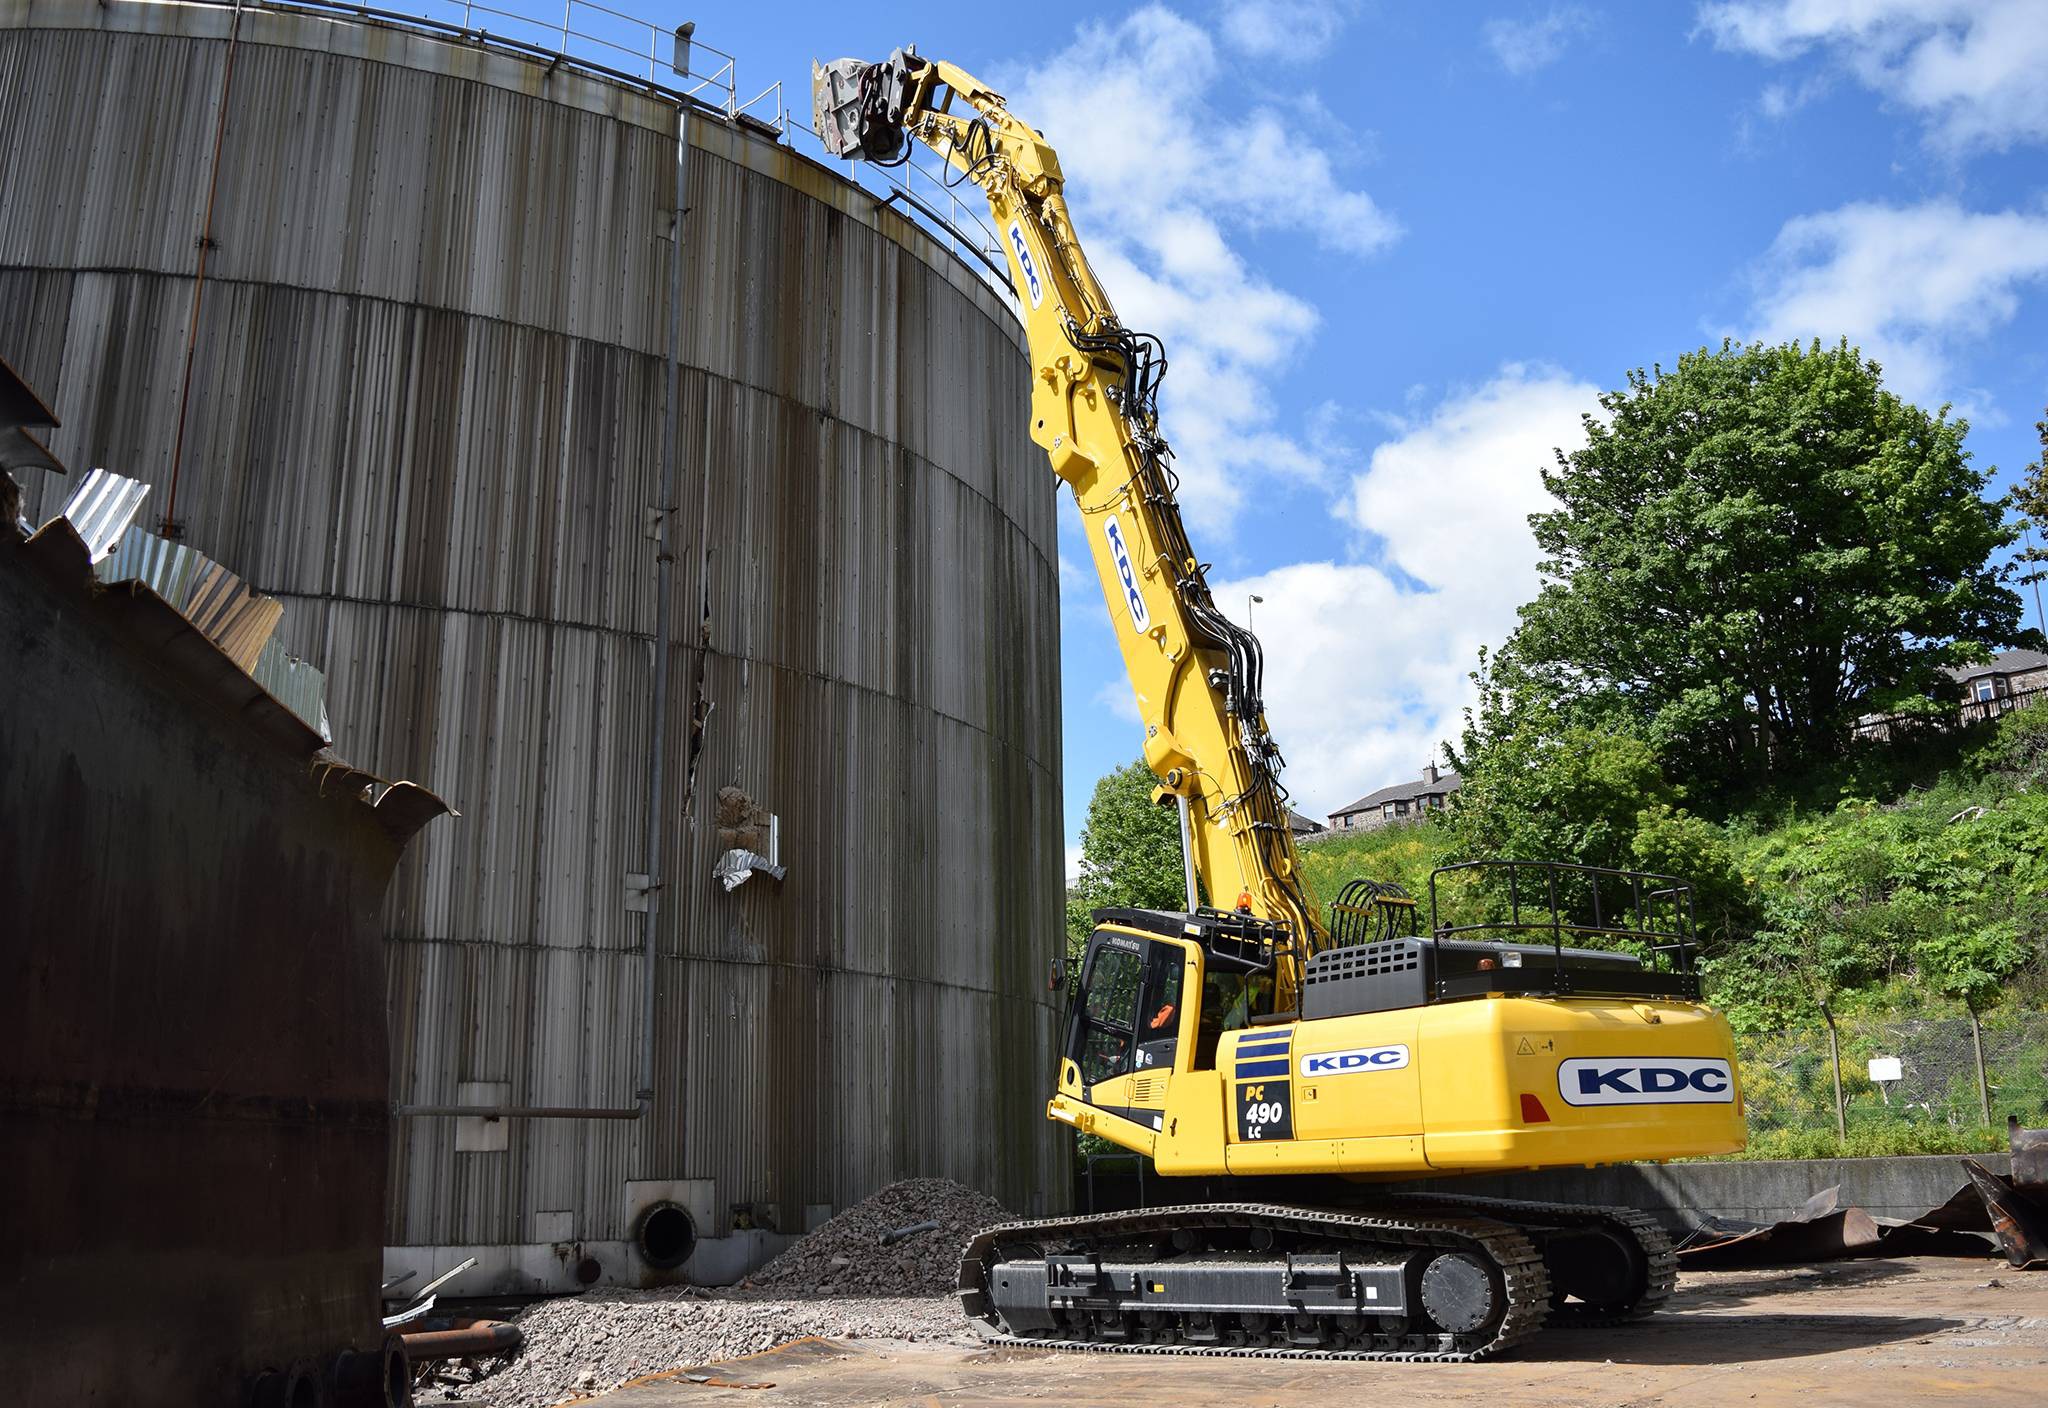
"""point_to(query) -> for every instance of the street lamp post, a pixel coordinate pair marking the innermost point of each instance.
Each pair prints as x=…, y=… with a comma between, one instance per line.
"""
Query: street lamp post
x=1250, y=602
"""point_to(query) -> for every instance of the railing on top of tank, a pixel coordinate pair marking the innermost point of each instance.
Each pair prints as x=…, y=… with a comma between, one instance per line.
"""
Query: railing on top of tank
x=676, y=63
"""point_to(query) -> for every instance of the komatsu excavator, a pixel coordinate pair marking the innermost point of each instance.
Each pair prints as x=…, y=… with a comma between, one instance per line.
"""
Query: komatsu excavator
x=1284, y=1067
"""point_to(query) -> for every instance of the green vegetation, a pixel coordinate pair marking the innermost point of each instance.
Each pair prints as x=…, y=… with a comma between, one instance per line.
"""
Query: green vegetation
x=1130, y=852
x=1887, y=1141
x=1753, y=549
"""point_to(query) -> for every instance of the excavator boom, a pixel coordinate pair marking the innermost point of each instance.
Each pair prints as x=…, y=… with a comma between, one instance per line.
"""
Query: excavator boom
x=1197, y=675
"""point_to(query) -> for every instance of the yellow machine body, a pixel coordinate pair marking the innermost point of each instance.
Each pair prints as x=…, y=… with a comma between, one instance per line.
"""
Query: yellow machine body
x=1489, y=1084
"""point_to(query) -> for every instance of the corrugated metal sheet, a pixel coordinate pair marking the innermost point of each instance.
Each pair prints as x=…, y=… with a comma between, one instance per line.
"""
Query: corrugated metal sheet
x=426, y=415
x=296, y=684
x=102, y=508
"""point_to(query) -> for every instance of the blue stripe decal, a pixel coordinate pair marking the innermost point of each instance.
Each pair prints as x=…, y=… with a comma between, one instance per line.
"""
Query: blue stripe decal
x=1261, y=1048
x=1261, y=1068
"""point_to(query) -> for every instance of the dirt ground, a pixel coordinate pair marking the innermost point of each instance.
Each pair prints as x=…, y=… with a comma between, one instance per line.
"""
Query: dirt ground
x=1862, y=1333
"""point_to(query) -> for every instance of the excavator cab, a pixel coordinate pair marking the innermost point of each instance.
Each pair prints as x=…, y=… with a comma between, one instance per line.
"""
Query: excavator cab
x=1126, y=1013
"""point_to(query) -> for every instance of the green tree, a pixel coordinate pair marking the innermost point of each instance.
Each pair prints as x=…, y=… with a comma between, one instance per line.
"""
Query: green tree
x=1130, y=852
x=1753, y=549
x=1541, y=782
x=1545, y=781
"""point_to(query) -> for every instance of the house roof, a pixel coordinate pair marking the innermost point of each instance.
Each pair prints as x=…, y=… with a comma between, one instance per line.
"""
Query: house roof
x=1300, y=824
x=2006, y=662
x=1447, y=782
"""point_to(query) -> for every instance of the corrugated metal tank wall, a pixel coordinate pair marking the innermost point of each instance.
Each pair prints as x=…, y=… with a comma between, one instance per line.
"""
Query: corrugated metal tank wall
x=426, y=412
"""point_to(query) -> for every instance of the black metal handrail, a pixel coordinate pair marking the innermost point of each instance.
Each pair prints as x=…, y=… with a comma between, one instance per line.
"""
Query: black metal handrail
x=1661, y=907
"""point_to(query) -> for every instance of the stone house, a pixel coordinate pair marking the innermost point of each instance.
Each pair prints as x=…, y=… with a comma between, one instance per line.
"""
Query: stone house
x=1404, y=801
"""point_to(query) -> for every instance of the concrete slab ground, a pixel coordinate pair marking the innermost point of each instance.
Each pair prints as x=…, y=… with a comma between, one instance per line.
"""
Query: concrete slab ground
x=1858, y=1333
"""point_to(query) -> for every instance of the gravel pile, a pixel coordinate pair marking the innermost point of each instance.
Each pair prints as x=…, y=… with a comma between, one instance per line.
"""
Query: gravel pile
x=837, y=1283
x=584, y=1345
x=845, y=1256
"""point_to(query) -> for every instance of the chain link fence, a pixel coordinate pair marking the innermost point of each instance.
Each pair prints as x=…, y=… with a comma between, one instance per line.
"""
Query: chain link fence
x=1897, y=1074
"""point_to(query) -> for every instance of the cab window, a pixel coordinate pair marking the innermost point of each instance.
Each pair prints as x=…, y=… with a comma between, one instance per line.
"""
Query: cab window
x=1159, y=1011
x=1229, y=1002
x=1105, y=1020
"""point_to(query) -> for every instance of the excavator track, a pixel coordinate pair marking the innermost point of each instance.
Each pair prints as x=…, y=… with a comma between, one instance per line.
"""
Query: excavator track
x=1659, y=1276
x=1085, y=1281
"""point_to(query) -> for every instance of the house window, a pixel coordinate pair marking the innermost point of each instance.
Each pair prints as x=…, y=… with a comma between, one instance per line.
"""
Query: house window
x=1386, y=809
x=1986, y=690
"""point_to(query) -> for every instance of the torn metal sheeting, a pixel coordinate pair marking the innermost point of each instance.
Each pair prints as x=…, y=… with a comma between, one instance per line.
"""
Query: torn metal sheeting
x=1822, y=1230
x=1845, y=1232
x=167, y=568
x=233, y=614
x=2029, y=1156
x=102, y=509
x=2018, y=1222
x=161, y=630
x=734, y=868
x=409, y=1314
x=242, y=623
x=299, y=685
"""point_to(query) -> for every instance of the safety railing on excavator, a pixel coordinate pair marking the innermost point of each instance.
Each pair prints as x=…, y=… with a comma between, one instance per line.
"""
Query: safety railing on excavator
x=1368, y=910
x=673, y=63
x=1647, y=915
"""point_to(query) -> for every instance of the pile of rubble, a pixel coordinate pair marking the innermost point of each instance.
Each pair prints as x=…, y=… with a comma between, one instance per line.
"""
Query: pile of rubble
x=587, y=1344
x=929, y=1221
x=840, y=1282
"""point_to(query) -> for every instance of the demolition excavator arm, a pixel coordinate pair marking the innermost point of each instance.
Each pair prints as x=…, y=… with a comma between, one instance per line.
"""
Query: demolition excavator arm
x=1095, y=384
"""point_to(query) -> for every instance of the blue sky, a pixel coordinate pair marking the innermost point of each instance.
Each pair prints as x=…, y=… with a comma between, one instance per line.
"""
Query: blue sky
x=1396, y=249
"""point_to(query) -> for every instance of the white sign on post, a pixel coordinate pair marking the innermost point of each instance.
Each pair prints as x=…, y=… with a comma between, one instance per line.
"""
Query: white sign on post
x=1886, y=1068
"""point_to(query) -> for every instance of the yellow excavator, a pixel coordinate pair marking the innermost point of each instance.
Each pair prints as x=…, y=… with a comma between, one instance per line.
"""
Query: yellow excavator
x=1284, y=1067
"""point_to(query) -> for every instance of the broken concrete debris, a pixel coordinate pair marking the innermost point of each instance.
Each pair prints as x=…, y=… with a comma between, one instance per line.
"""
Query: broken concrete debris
x=847, y=1255
x=844, y=1280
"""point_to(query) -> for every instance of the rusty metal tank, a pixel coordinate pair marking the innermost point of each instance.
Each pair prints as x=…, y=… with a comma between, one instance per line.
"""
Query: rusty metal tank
x=423, y=394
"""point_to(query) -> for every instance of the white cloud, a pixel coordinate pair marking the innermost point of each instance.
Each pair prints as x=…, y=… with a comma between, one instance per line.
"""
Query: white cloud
x=1524, y=46
x=1364, y=677
x=1073, y=864
x=1972, y=69
x=1115, y=699
x=1910, y=285
x=1285, y=29
x=1160, y=213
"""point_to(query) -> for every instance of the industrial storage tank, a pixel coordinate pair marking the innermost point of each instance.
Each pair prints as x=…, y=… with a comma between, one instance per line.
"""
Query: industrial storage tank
x=385, y=315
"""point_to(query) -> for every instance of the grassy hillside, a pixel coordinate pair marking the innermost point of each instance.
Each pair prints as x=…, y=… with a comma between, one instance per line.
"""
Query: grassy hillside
x=1905, y=880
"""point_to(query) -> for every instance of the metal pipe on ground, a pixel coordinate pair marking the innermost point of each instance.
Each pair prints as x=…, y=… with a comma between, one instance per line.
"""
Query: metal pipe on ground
x=463, y=1339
